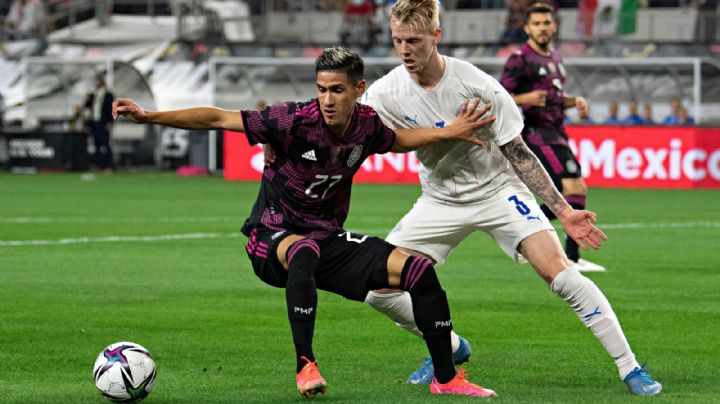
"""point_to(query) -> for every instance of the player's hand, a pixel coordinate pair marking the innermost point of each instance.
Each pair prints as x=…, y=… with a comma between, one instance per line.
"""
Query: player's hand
x=582, y=108
x=578, y=224
x=129, y=109
x=269, y=155
x=536, y=98
x=470, y=119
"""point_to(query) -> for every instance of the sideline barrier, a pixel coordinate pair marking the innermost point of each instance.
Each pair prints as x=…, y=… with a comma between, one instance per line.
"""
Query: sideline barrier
x=44, y=151
x=648, y=156
x=610, y=156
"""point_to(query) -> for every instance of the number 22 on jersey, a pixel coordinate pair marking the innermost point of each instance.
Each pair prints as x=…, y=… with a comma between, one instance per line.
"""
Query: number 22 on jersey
x=323, y=182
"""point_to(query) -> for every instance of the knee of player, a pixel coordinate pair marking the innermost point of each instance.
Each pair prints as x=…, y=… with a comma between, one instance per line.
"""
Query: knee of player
x=574, y=186
x=302, y=251
x=302, y=247
x=418, y=274
x=568, y=282
x=582, y=188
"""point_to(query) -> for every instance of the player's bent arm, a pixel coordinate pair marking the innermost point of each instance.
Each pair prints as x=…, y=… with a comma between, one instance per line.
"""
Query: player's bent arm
x=521, y=99
x=407, y=140
x=533, y=174
x=535, y=98
x=569, y=101
x=578, y=102
x=463, y=128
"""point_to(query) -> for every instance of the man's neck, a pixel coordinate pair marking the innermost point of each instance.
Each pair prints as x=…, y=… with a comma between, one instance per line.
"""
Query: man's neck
x=432, y=74
x=340, y=131
x=543, y=50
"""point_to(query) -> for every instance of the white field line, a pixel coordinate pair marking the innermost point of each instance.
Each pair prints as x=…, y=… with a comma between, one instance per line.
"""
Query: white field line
x=191, y=236
x=678, y=225
x=116, y=239
x=629, y=226
x=44, y=220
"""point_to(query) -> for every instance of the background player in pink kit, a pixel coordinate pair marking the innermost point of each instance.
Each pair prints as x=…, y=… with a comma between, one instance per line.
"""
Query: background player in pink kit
x=295, y=234
x=535, y=75
x=468, y=188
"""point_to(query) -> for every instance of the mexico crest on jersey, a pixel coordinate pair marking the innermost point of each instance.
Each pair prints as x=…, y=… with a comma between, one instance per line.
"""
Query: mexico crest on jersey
x=355, y=155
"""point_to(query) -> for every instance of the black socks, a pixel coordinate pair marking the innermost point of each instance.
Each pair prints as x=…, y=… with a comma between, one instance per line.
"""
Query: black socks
x=301, y=296
x=432, y=314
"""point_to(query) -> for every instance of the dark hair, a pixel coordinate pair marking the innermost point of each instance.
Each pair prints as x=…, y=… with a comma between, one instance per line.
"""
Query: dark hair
x=538, y=8
x=341, y=60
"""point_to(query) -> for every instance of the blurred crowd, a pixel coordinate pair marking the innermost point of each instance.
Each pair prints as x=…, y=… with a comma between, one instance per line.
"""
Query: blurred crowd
x=632, y=115
x=23, y=20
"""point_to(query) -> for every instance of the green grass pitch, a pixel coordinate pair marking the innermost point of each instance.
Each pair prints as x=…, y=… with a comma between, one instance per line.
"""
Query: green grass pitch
x=158, y=260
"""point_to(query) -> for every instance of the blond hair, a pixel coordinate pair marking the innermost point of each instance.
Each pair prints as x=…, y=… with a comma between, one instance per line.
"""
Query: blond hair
x=417, y=13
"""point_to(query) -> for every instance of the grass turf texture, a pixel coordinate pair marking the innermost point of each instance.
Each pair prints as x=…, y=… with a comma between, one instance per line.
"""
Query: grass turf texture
x=218, y=334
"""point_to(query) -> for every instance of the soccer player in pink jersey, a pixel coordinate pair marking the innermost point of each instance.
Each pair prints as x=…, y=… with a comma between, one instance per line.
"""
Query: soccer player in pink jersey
x=535, y=76
x=295, y=232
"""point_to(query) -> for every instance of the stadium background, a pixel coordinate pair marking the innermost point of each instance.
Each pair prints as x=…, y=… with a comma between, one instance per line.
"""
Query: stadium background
x=87, y=259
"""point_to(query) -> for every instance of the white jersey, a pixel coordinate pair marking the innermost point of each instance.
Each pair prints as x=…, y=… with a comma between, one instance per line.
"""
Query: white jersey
x=453, y=171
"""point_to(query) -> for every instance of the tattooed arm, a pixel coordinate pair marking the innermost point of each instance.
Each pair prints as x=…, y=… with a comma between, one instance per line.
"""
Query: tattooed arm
x=577, y=223
x=533, y=174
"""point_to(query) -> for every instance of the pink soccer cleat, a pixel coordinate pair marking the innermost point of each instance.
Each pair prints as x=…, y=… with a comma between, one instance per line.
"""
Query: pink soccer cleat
x=460, y=386
x=309, y=381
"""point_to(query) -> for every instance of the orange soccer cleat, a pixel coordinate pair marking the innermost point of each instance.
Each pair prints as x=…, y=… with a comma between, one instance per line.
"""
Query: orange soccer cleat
x=460, y=386
x=309, y=381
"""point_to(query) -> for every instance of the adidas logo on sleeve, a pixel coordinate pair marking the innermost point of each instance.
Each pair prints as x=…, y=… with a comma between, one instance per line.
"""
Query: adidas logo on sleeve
x=310, y=155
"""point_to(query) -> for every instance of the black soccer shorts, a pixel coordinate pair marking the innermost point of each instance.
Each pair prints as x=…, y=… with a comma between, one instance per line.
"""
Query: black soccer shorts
x=351, y=264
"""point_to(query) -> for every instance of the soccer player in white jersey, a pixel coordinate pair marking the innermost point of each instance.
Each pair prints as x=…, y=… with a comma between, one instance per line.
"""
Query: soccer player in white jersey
x=469, y=188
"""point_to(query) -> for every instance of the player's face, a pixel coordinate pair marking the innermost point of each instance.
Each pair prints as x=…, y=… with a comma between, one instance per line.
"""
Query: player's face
x=415, y=44
x=540, y=28
x=337, y=97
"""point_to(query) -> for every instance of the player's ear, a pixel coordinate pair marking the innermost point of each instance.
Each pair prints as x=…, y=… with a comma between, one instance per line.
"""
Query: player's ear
x=360, y=88
x=437, y=35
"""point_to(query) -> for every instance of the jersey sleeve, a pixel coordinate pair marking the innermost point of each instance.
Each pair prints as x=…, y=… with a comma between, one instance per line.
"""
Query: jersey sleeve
x=270, y=125
x=383, y=137
x=376, y=98
x=513, y=71
x=508, y=121
x=384, y=134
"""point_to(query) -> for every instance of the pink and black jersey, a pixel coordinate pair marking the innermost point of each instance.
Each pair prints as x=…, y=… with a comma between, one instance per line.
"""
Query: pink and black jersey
x=307, y=190
x=525, y=71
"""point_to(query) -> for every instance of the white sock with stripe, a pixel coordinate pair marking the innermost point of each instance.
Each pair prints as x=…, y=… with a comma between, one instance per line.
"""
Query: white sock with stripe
x=593, y=309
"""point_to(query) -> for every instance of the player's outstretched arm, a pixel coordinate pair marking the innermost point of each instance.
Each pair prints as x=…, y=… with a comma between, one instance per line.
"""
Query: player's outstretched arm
x=578, y=224
x=469, y=120
x=190, y=118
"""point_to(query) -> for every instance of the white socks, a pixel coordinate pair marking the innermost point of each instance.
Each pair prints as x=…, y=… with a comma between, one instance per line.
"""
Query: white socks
x=581, y=293
x=595, y=312
x=398, y=307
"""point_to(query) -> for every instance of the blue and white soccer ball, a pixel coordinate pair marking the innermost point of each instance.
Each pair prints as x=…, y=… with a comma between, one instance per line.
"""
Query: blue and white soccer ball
x=124, y=371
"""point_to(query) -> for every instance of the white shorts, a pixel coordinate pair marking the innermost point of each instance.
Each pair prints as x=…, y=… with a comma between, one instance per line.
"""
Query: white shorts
x=434, y=227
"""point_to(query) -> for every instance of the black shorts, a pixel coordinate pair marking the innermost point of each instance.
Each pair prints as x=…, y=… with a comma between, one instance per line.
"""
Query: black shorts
x=557, y=158
x=350, y=264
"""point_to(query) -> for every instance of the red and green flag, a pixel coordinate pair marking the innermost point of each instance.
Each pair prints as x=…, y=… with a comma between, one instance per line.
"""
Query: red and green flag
x=606, y=17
